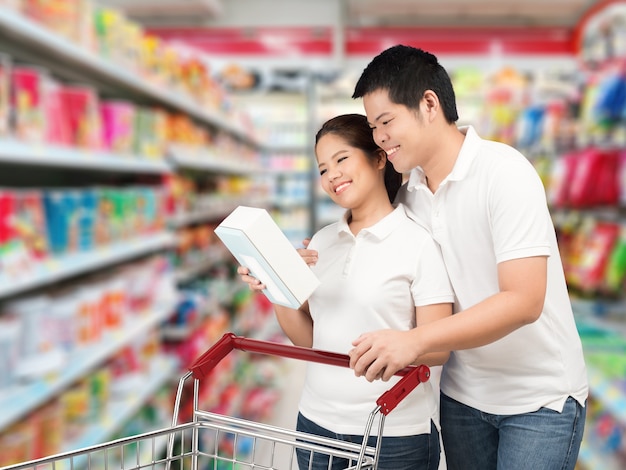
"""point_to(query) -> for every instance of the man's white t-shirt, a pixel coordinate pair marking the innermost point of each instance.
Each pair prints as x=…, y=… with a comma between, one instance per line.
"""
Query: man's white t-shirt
x=369, y=282
x=492, y=208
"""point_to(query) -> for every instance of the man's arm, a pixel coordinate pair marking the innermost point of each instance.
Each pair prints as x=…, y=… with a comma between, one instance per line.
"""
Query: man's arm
x=381, y=354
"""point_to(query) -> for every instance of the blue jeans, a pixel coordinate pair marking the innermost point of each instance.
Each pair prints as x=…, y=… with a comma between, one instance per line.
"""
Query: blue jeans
x=419, y=452
x=544, y=439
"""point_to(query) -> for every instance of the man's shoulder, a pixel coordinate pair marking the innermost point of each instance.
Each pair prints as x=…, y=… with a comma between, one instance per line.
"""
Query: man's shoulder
x=412, y=220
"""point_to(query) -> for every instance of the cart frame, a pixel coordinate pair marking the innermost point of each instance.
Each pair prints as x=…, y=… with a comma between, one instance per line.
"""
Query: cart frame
x=181, y=442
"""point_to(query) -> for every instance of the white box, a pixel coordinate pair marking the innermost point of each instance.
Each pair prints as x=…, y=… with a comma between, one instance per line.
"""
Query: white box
x=257, y=243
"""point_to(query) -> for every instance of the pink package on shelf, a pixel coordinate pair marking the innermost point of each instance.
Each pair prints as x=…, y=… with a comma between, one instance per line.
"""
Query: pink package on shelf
x=5, y=80
x=117, y=126
x=82, y=107
x=55, y=115
x=26, y=92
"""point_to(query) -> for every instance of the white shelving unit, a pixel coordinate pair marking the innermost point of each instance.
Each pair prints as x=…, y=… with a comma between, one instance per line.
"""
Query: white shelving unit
x=63, y=267
x=119, y=410
x=210, y=161
x=283, y=119
x=45, y=155
x=27, y=41
x=18, y=401
x=65, y=58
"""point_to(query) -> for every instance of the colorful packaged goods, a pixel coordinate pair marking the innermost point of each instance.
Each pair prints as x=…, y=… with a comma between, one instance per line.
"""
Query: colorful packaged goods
x=5, y=81
x=64, y=311
x=7, y=209
x=17, y=444
x=589, y=271
x=82, y=109
x=87, y=219
x=90, y=320
x=616, y=268
x=160, y=133
x=104, y=20
x=71, y=19
x=12, y=4
x=103, y=229
x=118, y=222
x=117, y=126
x=49, y=429
x=76, y=404
x=153, y=208
x=150, y=132
x=117, y=38
x=39, y=351
x=10, y=331
x=29, y=223
x=27, y=103
x=55, y=115
x=594, y=180
x=72, y=199
x=150, y=57
x=15, y=262
x=114, y=303
x=58, y=216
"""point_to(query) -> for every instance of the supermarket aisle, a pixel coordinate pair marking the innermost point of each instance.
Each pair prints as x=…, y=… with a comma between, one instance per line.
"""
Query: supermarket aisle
x=285, y=413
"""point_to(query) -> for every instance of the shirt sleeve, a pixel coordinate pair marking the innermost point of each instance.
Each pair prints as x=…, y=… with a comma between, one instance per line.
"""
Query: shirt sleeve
x=431, y=284
x=519, y=216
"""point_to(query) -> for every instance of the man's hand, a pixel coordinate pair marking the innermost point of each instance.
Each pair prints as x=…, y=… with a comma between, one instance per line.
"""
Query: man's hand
x=380, y=354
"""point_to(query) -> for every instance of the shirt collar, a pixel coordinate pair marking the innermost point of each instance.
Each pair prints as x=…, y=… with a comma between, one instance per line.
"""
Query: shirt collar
x=467, y=154
x=380, y=229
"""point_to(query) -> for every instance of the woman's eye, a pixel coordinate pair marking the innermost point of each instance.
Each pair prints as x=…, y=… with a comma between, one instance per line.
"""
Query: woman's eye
x=322, y=172
x=339, y=160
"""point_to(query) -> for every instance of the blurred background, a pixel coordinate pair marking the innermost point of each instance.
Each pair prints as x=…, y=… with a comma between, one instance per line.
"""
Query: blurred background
x=130, y=128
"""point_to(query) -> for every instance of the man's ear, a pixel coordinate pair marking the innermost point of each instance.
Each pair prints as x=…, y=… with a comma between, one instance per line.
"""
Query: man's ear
x=382, y=159
x=430, y=104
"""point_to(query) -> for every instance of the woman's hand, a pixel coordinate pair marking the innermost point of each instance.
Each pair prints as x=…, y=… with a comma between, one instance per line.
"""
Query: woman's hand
x=309, y=256
x=253, y=282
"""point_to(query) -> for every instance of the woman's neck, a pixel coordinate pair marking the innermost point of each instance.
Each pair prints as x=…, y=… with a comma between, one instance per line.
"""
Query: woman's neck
x=361, y=218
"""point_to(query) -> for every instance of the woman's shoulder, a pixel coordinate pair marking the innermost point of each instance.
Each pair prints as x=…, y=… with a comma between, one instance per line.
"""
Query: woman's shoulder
x=326, y=234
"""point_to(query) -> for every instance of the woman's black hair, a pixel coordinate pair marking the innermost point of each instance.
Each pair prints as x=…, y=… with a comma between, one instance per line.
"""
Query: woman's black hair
x=357, y=133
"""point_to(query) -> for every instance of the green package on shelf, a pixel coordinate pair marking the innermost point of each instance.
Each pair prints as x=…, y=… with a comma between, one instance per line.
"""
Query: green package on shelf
x=612, y=365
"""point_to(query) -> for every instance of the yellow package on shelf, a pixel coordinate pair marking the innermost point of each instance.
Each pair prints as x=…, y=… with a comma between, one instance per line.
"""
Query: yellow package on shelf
x=257, y=243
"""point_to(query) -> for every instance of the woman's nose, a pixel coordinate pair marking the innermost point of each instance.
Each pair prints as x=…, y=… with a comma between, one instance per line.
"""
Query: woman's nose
x=333, y=174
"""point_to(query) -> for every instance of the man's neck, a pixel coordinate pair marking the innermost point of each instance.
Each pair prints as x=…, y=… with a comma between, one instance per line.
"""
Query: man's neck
x=443, y=161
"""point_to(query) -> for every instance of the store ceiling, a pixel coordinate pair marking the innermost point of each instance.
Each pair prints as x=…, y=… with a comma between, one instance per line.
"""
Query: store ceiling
x=465, y=12
x=355, y=13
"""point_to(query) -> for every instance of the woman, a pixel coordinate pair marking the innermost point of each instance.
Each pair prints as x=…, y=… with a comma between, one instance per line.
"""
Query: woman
x=378, y=269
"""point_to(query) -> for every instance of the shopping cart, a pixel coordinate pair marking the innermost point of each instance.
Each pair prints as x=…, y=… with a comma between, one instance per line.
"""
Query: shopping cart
x=201, y=443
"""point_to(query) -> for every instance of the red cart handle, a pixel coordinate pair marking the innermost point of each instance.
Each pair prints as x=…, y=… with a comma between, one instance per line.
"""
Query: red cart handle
x=412, y=376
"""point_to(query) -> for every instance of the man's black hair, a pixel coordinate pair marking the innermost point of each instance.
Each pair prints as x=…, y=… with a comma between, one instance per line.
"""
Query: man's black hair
x=406, y=72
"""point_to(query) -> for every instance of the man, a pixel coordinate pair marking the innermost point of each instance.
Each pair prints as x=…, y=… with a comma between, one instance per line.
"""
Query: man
x=513, y=393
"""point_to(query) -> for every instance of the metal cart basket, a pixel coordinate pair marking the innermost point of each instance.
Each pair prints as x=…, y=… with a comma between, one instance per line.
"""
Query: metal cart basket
x=199, y=444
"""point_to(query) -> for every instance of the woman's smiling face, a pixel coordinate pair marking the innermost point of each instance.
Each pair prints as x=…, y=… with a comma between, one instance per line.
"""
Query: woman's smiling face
x=347, y=175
